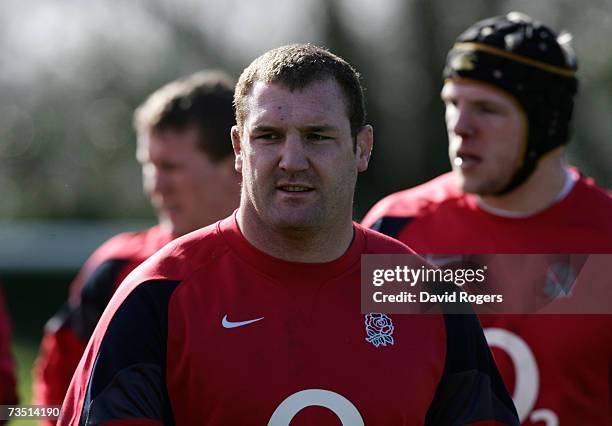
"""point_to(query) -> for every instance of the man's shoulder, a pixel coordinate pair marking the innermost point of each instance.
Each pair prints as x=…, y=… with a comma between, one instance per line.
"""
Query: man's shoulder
x=126, y=249
x=181, y=256
x=377, y=243
x=594, y=192
x=131, y=244
x=173, y=264
x=416, y=201
x=589, y=203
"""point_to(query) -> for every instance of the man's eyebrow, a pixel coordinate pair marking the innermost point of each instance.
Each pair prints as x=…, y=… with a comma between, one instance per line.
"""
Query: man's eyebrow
x=303, y=129
x=318, y=128
x=260, y=128
x=489, y=103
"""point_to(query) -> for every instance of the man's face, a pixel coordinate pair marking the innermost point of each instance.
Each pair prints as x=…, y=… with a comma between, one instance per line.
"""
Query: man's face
x=487, y=133
x=297, y=157
x=187, y=189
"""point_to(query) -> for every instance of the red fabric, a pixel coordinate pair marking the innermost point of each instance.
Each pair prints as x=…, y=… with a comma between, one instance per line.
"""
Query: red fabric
x=573, y=354
x=8, y=384
x=61, y=347
x=132, y=422
x=135, y=247
x=53, y=372
x=312, y=336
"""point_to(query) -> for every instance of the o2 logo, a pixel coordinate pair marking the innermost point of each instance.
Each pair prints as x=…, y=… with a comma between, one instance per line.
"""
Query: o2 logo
x=342, y=407
x=527, y=382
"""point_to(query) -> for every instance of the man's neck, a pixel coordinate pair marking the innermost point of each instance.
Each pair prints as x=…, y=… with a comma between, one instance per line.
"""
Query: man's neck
x=540, y=191
x=296, y=245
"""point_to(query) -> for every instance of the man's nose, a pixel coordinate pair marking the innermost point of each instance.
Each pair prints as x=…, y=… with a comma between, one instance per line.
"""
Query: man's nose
x=156, y=181
x=461, y=122
x=294, y=155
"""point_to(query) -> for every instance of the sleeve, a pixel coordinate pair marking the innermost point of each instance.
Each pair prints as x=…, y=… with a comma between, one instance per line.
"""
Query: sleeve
x=67, y=332
x=391, y=226
x=373, y=215
x=59, y=355
x=126, y=382
x=387, y=220
x=8, y=386
x=471, y=391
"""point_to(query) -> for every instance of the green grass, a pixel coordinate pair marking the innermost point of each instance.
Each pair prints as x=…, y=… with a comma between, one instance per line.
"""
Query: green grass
x=25, y=352
x=32, y=298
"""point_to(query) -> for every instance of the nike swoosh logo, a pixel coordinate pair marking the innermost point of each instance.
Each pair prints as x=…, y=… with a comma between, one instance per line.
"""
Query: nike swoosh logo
x=229, y=324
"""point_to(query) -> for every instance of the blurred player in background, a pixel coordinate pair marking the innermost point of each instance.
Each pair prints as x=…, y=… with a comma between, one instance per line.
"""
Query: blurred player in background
x=256, y=320
x=8, y=383
x=185, y=151
x=509, y=93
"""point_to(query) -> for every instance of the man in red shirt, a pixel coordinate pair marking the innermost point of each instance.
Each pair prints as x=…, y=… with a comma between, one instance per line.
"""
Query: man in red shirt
x=8, y=383
x=256, y=320
x=509, y=90
x=185, y=151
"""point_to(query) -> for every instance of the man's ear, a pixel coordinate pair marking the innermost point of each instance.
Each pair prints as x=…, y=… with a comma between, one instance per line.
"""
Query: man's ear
x=237, y=145
x=364, y=143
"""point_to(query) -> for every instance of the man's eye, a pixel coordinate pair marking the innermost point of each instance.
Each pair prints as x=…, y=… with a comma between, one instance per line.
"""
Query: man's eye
x=489, y=109
x=267, y=136
x=316, y=137
x=167, y=167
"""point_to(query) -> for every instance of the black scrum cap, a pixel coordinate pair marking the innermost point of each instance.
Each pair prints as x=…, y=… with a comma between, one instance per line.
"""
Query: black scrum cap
x=530, y=62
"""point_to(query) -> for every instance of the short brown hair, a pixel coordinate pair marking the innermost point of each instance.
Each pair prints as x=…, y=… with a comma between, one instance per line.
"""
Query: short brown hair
x=203, y=100
x=296, y=66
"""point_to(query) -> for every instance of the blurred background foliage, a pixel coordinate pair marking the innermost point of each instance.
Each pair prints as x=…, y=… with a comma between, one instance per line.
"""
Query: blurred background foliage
x=72, y=72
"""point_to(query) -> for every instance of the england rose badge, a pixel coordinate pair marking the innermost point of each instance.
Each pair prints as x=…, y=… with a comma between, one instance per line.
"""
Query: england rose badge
x=379, y=329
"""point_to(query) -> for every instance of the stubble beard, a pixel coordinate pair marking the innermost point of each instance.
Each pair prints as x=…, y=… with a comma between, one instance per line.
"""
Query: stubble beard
x=484, y=187
x=268, y=214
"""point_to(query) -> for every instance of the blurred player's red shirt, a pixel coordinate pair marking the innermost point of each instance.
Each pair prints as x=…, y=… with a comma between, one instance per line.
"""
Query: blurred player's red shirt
x=67, y=333
x=558, y=367
x=8, y=387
